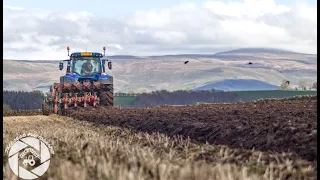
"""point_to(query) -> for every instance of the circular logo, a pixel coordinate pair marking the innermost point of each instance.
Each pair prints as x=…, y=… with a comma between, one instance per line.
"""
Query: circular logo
x=29, y=156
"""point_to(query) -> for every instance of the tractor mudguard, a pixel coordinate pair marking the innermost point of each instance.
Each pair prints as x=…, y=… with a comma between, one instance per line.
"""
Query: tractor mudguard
x=107, y=81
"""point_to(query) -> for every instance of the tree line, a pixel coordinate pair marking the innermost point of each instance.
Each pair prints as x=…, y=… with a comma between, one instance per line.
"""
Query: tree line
x=22, y=100
x=286, y=85
x=184, y=97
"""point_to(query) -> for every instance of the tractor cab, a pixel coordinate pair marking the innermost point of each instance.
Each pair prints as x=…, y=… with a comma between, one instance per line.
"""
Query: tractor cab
x=85, y=66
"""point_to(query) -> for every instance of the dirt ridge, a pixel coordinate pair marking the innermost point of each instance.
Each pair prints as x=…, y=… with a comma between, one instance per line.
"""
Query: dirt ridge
x=286, y=125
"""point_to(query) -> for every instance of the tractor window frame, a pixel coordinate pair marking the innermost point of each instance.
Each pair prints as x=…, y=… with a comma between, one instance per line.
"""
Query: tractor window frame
x=95, y=61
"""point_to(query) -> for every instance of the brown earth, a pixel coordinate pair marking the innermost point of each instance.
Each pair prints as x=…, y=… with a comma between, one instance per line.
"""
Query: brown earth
x=287, y=125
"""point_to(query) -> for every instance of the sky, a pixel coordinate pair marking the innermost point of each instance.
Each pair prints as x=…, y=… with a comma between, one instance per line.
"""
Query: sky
x=37, y=29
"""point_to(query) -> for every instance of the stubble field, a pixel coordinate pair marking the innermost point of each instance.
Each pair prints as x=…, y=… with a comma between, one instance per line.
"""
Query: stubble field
x=270, y=139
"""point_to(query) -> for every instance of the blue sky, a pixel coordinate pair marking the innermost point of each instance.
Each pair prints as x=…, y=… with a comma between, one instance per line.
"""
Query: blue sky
x=113, y=8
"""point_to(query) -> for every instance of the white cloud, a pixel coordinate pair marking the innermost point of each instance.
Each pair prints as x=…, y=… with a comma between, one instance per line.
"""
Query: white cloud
x=185, y=28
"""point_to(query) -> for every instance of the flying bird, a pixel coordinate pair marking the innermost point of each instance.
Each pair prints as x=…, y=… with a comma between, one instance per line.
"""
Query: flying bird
x=250, y=63
x=186, y=62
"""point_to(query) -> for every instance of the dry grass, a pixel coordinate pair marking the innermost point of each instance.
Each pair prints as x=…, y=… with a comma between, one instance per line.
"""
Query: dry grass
x=22, y=112
x=89, y=151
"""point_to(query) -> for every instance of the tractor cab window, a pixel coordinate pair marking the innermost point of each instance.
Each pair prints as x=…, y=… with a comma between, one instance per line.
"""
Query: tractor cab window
x=86, y=66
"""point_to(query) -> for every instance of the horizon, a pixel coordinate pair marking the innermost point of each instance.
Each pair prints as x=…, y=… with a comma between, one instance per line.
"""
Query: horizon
x=42, y=31
x=135, y=56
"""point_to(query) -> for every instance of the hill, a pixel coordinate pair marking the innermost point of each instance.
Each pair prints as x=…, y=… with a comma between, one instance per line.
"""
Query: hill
x=141, y=74
x=238, y=85
x=259, y=50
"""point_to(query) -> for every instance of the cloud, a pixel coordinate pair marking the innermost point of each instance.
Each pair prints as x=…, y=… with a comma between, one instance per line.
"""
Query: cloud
x=185, y=28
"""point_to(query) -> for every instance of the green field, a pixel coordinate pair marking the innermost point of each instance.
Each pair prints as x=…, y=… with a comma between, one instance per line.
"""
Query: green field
x=124, y=100
x=246, y=95
x=254, y=95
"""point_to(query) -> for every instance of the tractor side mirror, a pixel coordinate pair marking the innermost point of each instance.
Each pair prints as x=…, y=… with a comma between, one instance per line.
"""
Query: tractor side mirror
x=110, y=65
x=103, y=65
x=61, y=65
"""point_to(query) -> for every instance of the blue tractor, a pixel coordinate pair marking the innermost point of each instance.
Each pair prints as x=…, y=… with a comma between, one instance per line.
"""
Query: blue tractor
x=85, y=83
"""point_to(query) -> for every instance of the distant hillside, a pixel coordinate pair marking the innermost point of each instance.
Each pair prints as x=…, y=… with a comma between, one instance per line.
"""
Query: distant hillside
x=238, y=85
x=151, y=73
x=40, y=61
x=258, y=50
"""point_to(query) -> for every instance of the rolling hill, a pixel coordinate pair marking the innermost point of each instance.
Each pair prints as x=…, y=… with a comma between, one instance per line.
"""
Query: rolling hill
x=225, y=70
x=238, y=85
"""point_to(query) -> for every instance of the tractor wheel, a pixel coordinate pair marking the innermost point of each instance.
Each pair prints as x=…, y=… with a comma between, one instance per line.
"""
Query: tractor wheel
x=45, y=109
x=106, y=96
x=60, y=109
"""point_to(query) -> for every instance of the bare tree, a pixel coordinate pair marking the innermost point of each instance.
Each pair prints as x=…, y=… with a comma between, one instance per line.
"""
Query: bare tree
x=6, y=108
x=303, y=85
x=285, y=84
x=314, y=86
x=130, y=93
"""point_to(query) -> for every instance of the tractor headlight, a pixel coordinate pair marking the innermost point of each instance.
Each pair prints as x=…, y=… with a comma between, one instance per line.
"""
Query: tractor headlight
x=70, y=79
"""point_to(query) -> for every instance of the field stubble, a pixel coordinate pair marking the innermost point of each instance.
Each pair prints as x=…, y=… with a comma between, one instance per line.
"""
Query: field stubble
x=92, y=151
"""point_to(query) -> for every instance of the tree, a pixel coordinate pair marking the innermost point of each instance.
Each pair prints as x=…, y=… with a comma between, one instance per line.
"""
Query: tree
x=6, y=108
x=303, y=85
x=285, y=84
x=131, y=93
x=189, y=90
x=213, y=89
x=314, y=86
x=38, y=92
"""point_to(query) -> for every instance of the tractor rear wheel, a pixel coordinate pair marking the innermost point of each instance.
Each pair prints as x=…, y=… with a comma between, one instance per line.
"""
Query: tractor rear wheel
x=106, y=96
x=45, y=109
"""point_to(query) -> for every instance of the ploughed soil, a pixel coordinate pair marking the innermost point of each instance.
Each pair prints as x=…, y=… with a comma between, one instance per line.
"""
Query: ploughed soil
x=286, y=125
